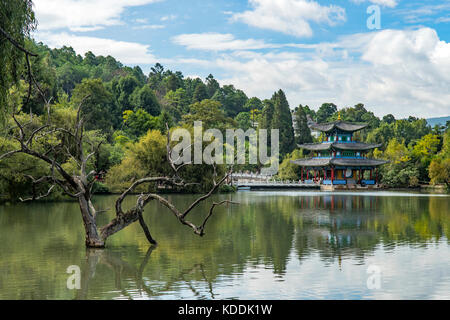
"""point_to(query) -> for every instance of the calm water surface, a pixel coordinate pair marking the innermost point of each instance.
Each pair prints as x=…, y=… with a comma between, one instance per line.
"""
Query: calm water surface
x=274, y=245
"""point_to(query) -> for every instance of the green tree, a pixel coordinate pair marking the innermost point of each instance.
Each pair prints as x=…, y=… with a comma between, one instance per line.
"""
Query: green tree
x=147, y=157
x=243, y=120
x=16, y=22
x=233, y=100
x=253, y=103
x=156, y=76
x=98, y=106
x=426, y=147
x=389, y=118
x=211, y=85
x=189, y=84
x=172, y=82
x=138, y=122
x=123, y=89
x=439, y=171
x=382, y=134
x=400, y=171
x=44, y=74
x=69, y=75
x=423, y=152
x=144, y=98
x=282, y=120
x=177, y=103
x=325, y=112
x=210, y=113
x=164, y=119
x=139, y=75
x=396, y=152
x=254, y=116
x=266, y=117
x=302, y=131
x=200, y=93
x=288, y=170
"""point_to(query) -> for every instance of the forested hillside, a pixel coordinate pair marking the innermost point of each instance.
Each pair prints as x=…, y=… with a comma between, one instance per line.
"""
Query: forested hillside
x=128, y=111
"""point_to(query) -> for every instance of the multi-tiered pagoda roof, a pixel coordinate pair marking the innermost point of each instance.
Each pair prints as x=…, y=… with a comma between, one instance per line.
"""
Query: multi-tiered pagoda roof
x=340, y=125
x=338, y=152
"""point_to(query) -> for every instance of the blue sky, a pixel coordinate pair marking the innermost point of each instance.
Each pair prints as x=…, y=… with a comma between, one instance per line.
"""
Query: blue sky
x=316, y=51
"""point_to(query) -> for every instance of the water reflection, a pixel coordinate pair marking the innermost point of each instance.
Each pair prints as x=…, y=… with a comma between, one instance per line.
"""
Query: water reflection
x=267, y=243
x=126, y=275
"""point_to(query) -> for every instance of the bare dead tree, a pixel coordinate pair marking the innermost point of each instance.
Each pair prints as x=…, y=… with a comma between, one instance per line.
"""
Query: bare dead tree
x=79, y=186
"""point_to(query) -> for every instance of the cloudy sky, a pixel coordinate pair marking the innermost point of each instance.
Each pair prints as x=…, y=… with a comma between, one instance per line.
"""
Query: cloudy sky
x=316, y=51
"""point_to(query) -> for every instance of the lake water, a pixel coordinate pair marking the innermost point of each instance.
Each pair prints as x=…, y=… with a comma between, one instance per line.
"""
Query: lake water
x=273, y=245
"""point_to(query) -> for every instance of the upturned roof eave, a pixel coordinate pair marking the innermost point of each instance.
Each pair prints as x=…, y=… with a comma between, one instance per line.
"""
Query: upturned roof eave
x=342, y=125
x=318, y=162
x=356, y=146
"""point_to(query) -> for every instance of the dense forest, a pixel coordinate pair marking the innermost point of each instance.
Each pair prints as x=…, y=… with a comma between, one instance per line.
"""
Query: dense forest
x=128, y=110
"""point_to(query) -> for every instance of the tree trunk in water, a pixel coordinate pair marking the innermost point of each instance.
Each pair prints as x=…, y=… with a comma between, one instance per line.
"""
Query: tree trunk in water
x=118, y=223
x=93, y=240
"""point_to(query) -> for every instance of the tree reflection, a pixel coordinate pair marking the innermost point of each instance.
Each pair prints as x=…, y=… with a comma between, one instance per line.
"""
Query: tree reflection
x=349, y=225
x=268, y=230
x=131, y=281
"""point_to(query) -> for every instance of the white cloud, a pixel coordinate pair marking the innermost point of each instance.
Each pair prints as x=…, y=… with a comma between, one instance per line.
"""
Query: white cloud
x=391, y=71
x=384, y=3
x=126, y=52
x=82, y=15
x=290, y=16
x=420, y=13
x=443, y=19
x=149, y=26
x=141, y=20
x=217, y=42
x=169, y=17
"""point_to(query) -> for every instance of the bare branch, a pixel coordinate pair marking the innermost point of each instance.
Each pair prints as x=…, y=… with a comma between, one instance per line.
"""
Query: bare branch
x=200, y=230
x=15, y=43
x=21, y=131
x=10, y=153
x=35, y=182
x=169, y=151
x=145, y=229
x=29, y=141
x=206, y=196
x=134, y=185
x=79, y=123
x=34, y=197
x=172, y=162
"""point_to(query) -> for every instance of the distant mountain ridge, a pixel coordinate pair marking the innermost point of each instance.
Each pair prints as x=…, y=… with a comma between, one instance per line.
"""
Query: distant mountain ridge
x=439, y=120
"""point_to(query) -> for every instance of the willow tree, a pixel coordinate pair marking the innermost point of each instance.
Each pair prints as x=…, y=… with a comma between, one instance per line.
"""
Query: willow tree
x=16, y=23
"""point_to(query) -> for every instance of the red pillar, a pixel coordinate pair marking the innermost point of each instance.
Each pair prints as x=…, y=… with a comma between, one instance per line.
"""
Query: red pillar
x=332, y=174
x=307, y=174
x=370, y=174
x=302, y=174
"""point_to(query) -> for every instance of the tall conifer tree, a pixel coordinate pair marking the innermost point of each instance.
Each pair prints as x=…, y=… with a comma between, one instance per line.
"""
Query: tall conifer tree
x=282, y=120
x=302, y=131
